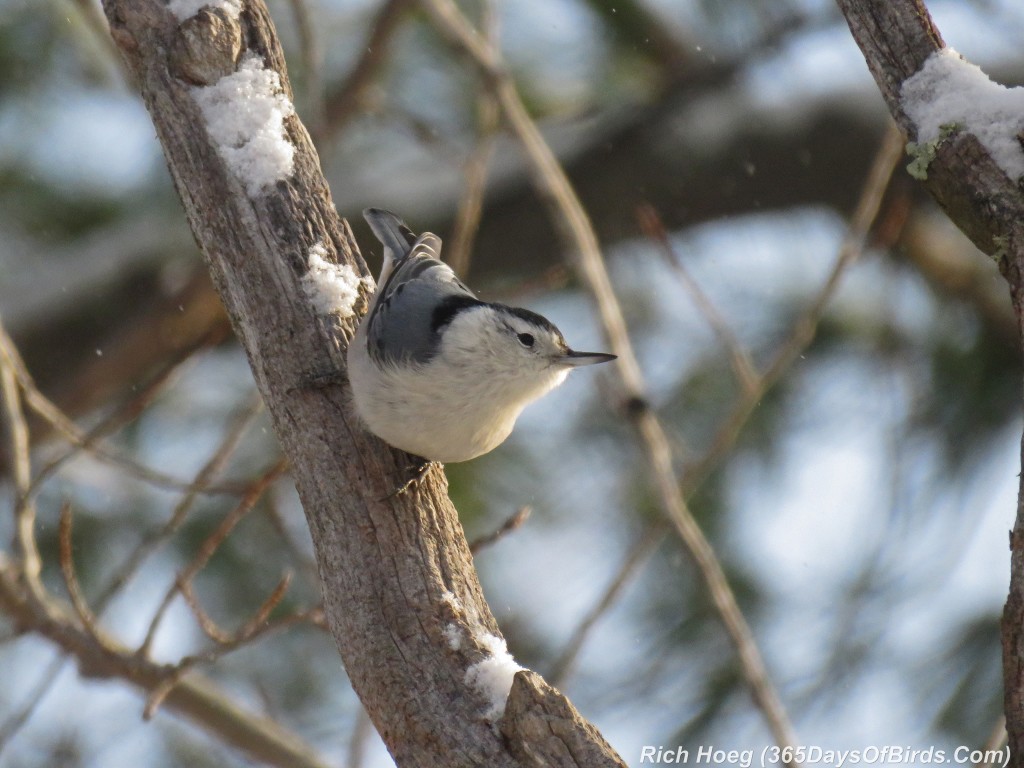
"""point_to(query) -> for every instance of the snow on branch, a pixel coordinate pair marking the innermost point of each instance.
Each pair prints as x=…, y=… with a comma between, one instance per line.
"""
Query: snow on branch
x=333, y=288
x=949, y=92
x=492, y=677
x=185, y=9
x=245, y=113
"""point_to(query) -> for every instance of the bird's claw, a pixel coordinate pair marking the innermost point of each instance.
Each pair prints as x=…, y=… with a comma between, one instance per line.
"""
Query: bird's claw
x=420, y=471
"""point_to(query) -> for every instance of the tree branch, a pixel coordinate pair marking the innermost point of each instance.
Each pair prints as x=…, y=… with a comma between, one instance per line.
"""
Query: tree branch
x=100, y=656
x=897, y=37
x=397, y=574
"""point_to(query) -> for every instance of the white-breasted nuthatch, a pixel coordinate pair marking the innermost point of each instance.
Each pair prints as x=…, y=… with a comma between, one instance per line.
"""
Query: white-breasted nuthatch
x=434, y=370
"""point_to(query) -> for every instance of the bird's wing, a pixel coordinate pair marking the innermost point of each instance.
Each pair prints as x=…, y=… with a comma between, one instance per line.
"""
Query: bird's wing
x=403, y=322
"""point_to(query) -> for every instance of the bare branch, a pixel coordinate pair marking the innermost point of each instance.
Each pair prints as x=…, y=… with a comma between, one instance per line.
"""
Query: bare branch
x=459, y=246
x=205, y=621
x=21, y=465
x=67, y=567
x=806, y=326
x=995, y=742
x=345, y=102
x=637, y=556
x=210, y=546
x=897, y=37
x=299, y=554
x=98, y=31
x=125, y=414
x=46, y=409
x=312, y=64
x=196, y=698
x=742, y=365
x=17, y=720
x=887, y=157
x=512, y=523
x=256, y=627
x=259, y=619
x=237, y=425
x=361, y=732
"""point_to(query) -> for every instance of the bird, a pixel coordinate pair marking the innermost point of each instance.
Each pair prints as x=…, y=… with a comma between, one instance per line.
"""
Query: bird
x=434, y=370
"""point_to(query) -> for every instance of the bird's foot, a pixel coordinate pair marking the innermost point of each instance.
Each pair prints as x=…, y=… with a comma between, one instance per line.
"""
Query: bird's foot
x=419, y=471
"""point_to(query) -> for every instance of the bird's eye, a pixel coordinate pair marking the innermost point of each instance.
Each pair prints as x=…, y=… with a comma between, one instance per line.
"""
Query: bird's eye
x=525, y=339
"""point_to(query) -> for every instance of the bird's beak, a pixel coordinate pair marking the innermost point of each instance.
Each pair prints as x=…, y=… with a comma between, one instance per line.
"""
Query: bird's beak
x=576, y=359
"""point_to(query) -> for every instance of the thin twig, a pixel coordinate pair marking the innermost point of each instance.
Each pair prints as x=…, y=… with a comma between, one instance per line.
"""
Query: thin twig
x=345, y=102
x=459, y=247
x=644, y=547
x=47, y=410
x=263, y=740
x=553, y=278
x=67, y=567
x=312, y=64
x=247, y=630
x=302, y=557
x=742, y=364
x=245, y=505
x=21, y=466
x=428, y=133
x=887, y=156
x=125, y=414
x=805, y=328
x=99, y=33
x=259, y=619
x=512, y=523
x=361, y=733
x=210, y=546
x=575, y=226
x=206, y=623
x=237, y=424
x=255, y=628
x=549, y=177
x=35, y=697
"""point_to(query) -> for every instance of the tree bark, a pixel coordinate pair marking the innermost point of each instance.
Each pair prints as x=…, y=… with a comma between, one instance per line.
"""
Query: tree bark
x=896, y=37
x=398, y=578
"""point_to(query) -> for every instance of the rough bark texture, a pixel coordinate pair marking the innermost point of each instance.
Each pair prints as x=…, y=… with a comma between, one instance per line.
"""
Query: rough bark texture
x=396, y=572
x=897, y=36
x=543, y=729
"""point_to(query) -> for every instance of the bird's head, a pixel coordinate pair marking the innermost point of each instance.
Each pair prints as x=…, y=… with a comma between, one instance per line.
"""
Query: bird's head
x=511, y=349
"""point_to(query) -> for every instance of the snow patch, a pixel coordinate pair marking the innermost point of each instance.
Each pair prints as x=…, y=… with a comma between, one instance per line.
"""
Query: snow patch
x=186, y=9
x=449, y=597
x=245, y=113
x=453, y=636
x=333, y=288
x=948, y=91
x=492, y=677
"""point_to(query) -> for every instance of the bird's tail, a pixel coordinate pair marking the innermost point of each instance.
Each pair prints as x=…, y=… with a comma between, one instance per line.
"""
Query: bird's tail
x=397, y=238
x=390, y=230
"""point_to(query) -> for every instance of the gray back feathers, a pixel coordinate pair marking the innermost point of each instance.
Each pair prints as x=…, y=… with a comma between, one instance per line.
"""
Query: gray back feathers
x=417, y=299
